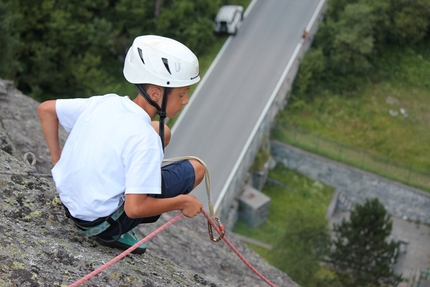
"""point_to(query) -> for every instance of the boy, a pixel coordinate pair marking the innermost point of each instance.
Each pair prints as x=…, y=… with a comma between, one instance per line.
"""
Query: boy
x=112, y=158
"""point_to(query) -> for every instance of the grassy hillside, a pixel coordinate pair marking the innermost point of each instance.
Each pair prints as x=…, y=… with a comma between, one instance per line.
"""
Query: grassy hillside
x=388, y=118
x=295, y=226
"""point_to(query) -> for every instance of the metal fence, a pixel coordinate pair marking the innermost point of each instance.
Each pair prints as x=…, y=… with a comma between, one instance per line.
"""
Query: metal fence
x=360, y=158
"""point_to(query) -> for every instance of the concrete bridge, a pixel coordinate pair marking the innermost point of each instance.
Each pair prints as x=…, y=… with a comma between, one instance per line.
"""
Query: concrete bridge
x=235, y=104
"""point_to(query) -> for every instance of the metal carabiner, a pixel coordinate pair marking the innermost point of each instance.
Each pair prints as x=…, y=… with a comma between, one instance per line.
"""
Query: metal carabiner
x=221, y=228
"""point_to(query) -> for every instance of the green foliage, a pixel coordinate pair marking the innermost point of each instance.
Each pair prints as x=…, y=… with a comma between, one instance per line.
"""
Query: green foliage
x=336, y=7
x=364, y=121
x=296, y=227
x=353, y=42
x=362, y=256
x=411, y=21
x=262, y=155
x=10, y=42
x=304, y=245
x=64, y=44
x=132, y=18
x=382, y=29
x=311, y=69
x=190, y=22
x=61, y=49
x=355, y=32
x=260, y=160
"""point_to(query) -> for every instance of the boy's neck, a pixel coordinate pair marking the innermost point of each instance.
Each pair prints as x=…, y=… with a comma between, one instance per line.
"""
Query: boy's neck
x=141, y=102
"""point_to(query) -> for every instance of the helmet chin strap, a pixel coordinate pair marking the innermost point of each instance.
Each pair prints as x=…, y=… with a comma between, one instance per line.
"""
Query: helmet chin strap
x=160, y=111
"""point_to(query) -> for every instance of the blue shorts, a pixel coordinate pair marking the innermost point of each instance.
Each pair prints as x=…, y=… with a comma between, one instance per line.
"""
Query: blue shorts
x=176, y=178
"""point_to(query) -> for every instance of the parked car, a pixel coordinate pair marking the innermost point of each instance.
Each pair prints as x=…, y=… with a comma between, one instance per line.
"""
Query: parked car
x=228, y=19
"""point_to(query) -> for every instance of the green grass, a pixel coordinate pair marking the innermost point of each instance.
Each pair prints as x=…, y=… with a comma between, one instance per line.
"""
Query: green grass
x=300, y=202
x=396, y=146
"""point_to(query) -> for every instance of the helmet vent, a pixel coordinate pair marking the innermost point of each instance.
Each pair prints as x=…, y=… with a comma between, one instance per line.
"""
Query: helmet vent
x=140, y=55
x=166, y=64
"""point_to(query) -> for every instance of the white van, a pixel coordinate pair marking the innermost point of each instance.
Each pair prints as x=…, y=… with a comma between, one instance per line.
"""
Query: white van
x=228, y=19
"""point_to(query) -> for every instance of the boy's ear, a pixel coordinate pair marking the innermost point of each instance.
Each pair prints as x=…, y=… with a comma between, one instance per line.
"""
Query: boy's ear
x=155, y=93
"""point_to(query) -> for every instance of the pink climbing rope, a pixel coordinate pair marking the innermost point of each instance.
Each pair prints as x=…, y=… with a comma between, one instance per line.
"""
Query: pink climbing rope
x=126, y=252
x=153, y=234
x=237, y=251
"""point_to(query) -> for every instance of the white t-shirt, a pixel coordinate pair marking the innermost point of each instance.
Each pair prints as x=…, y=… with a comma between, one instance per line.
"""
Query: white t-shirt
x=111, y=150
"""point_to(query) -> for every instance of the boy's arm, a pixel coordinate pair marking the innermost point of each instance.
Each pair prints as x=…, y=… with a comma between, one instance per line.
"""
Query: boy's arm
x=49, y=122
x=142, y=205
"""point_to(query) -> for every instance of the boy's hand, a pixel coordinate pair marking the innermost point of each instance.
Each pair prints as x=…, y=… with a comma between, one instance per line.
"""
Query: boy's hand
x=192, y=206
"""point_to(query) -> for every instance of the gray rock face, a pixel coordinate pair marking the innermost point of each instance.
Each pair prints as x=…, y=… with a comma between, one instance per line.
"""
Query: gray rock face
x=18, y=114
x=40, y=246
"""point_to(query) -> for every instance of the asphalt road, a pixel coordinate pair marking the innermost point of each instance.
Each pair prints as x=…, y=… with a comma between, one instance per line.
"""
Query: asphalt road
x=226, y=105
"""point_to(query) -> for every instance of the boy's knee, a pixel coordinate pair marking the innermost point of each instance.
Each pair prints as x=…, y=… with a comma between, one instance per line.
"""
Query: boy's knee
x=199, y=171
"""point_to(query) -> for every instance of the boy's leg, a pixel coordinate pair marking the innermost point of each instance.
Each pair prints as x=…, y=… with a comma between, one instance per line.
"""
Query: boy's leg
x=199, y=171
x=177, y=178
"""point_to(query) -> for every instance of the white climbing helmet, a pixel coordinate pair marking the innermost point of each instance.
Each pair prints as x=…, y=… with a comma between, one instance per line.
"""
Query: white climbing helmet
x=160, y=61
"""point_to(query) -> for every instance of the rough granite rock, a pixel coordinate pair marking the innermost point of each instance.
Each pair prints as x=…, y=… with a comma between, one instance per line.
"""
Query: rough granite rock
x=18, y=114
x=40, y=246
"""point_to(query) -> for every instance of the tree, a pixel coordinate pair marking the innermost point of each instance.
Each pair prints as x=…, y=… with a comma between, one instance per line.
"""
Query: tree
x=361, y=254
x=411, y=21
x=353, y=43
x=66, y=45
x=10, y=41
x=382, y=29
x=62, y=49
x=189, y=22
x=306, y=239
x=311, y=69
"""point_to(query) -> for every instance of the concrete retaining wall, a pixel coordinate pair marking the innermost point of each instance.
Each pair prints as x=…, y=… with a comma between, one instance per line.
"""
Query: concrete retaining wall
x=227, y=206
x=354, y=185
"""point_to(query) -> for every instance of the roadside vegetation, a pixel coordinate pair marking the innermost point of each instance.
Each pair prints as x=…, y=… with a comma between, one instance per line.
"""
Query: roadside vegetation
x=296, y=227
x=362, y=96
x=382, y=126
x=63, y=49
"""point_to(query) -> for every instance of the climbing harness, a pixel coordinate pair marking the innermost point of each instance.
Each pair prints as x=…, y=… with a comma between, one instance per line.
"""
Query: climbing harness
x=96, y=227
x=208, y=192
